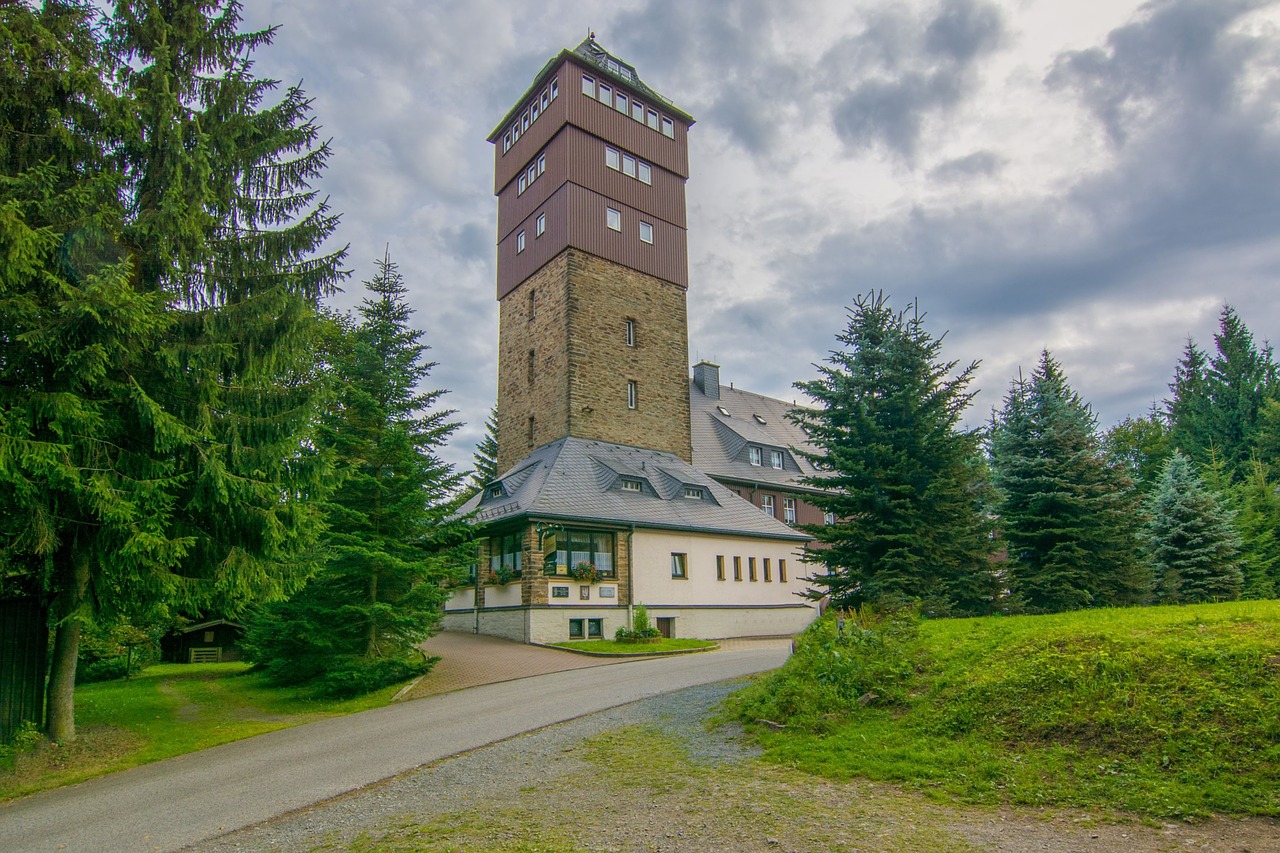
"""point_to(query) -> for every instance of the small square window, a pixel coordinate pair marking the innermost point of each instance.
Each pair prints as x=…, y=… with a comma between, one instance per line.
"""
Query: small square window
x=611, y=158
x=646, y=232
x=606, y=94
x=679, y=565
x=631, y=333
x=588, y=86
x=540, y=225
x=632, y=395
x=520, y=242
x=644, y=173
x=208, y=636
x=595, y=629
x=653, y=119
x=559, y=592
x=575, y=629
x=613, y=219
x=637, y=111
x=668, y=127
x=756, y=456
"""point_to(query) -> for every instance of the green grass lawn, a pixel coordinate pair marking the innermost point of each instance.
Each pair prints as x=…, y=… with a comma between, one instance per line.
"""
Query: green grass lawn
x=168, y=710
x=613, y=647
x=1162, y=711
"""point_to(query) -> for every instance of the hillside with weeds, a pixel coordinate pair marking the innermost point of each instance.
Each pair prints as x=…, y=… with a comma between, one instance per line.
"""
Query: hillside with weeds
x=1160, y=711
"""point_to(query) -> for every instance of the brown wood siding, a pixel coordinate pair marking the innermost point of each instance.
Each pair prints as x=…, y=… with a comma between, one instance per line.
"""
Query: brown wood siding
x=507, y=164
x=514, y=267
x=666, y=259
x=576, y=217
x=607, y=123
x=664, y=199
x=514, y=206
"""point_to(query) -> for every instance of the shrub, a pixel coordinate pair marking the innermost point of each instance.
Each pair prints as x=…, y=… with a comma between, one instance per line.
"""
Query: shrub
x=356, y=676
x=641, y=628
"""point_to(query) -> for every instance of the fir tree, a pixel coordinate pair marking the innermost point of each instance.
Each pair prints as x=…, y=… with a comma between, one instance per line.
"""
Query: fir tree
x=1256, y=503
x=358, y=622
x=897, y=470
x=486, y=455
x=1066, y=514
x=1189, y=539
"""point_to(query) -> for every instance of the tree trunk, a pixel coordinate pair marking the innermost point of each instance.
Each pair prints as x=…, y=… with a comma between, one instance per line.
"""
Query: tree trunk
x=60, y=723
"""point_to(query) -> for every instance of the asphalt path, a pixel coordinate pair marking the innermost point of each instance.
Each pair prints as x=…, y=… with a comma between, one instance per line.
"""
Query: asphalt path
x=174, y=803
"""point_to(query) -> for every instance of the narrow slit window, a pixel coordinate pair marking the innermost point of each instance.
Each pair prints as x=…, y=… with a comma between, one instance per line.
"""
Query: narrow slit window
x=631, y=333
x=737, y=568
x=719, y=567
x=633, y=395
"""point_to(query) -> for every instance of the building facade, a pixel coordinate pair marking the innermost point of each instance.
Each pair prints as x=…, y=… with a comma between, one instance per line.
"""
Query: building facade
x=598, y=506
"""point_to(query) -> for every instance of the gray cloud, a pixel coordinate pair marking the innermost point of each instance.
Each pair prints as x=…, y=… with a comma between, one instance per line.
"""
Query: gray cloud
x=977, y=164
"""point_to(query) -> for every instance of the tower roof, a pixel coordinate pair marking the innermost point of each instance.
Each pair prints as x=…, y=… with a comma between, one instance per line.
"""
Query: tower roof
x=592, y=55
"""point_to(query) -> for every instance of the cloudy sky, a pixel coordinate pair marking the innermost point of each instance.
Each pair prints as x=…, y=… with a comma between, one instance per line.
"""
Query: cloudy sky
x=1097, y=176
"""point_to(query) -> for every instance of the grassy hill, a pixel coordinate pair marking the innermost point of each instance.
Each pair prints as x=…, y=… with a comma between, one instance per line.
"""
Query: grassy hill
x=1161, y=711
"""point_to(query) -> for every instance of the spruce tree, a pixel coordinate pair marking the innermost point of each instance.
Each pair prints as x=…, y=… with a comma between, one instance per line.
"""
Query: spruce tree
x=486, y=454
x=896, y=469
x=1066, y=514
x=1139, y=448
x=158, y=382
x=1189, y=539
x=1256, y=503
x=357, y=624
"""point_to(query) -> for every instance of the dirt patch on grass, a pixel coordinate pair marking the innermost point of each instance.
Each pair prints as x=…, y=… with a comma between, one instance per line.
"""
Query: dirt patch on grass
x=95, y=748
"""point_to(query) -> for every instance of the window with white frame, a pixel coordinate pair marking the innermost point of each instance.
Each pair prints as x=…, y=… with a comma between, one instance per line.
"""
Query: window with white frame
x=506, y=142
x=633, y=395
x=533, y=111
x=612, y=158
x=668, y=127
x=652, y=117
x=828, y=518
x=693, y=492
x=631, y=332
x=542, y=163
x=630, y=484
x=637, y=111
x=621, y=103
x=522, y=184
x=755, y=456
x=775, y=459
x=540, y=225
x=613, y=219
x=628, y=165
x=789, y=510
x=606, y=94
x=646, y=232
x=555, y=89
x=644, y=173
x=588, y=86
x=524, y=121
x=520, y=242
x=766, y=504
x=545, y=100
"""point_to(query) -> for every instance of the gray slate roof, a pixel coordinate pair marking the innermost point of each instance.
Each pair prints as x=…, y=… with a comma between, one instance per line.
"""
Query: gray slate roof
x=576, y=479
x=721, y=442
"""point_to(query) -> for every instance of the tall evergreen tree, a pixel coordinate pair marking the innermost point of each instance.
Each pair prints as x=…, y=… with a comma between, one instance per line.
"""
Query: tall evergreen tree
x=1139, y=448
x=896, y=468
x=358, y=622
x=157, y=385
x=1218, y=402
x=486, y=454
x=1066, y=514
x=1189, y=539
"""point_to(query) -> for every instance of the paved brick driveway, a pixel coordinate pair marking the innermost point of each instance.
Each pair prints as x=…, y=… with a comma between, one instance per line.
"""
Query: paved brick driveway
x=467, y=660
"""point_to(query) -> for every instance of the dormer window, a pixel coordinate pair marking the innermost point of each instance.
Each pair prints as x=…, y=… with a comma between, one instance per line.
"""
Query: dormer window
x=775, y=459
x=630, y=484
x=495, y=491
x=693, y=492
x=756, y=456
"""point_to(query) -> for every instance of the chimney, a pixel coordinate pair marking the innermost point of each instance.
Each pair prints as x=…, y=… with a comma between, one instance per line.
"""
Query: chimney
x=707, y=377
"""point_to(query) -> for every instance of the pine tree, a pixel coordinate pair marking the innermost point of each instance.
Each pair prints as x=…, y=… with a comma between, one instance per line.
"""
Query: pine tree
x=1066, y=514
x=486, y=455
x=1189, y=539
x=1256, y=502
x=896, y=469
x=357, y=623
x=158, y=383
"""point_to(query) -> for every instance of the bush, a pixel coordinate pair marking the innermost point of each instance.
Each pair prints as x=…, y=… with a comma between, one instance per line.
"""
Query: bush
x=107, y=669
x=641, y=628
x=838, y=662
x=356, y=676
x=25, y=739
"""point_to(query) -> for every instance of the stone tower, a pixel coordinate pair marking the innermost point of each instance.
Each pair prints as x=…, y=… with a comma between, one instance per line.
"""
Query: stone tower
x=589, y=169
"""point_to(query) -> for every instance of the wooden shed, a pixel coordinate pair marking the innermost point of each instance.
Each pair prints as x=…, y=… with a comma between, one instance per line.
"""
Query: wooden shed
x=215, y=641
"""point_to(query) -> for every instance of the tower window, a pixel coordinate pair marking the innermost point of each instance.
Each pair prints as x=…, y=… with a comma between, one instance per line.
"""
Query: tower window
x=611, y=158
x=532, y=364
x=540, y=225
x=613, y=219
x=644, y=173
x=588, y=86
x=520, y=242
x=631, y=333
x=668, y=128
x=632, y=395
x=533, y=294
x=653, y=119
x=545, y=100
x=532, y=424
x=606, y=94
x=628, y=165
x=621, y=103
x=646, y=232
x=555, y=89
x=637, y=111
